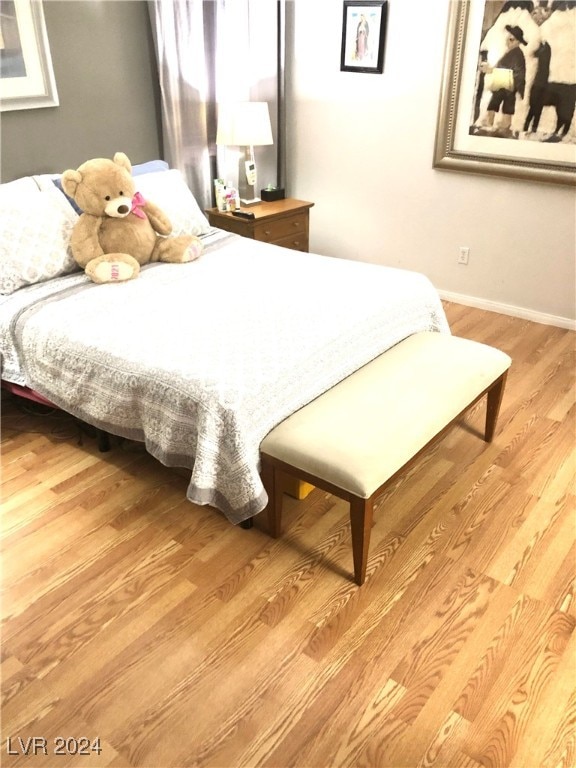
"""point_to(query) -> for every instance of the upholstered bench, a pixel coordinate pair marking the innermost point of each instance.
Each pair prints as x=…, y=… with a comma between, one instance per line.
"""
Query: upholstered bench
x=356, y=437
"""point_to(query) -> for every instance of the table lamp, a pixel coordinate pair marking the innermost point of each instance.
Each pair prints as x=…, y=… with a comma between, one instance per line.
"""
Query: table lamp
x=245, y=124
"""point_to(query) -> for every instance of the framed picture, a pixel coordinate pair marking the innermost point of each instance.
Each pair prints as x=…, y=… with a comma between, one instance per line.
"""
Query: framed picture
x=26, y=75
x=363, y=36
x=507, y=104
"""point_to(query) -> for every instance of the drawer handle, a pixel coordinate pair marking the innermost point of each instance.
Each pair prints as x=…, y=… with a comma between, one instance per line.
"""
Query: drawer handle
x=267, y=232
x=296, y=243
x=296, y=224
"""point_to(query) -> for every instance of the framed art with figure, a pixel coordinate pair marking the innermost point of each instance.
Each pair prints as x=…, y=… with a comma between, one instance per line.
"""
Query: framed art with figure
x=363, y=36
x=26, y=74
x=507, y=105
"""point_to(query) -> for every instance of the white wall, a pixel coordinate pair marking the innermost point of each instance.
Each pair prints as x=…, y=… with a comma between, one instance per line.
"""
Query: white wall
x=361, y=145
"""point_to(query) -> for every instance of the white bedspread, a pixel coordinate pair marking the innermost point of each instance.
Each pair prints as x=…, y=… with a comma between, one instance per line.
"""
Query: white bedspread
x=201, y=361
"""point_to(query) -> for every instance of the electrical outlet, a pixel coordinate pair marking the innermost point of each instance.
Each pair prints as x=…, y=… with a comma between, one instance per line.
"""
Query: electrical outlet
x=463, y=254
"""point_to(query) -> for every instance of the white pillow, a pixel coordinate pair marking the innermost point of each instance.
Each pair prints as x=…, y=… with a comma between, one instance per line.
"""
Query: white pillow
x=20, y=187
x=35, y=234
x=169, y=191
x=45, y=181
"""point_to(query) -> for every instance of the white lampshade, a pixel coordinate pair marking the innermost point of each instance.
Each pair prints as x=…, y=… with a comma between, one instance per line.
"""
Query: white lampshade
x=244, y=124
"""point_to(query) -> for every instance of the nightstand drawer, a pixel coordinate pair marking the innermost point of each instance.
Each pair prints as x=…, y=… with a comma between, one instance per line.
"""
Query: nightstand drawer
x=290, y=226
x=298, y=242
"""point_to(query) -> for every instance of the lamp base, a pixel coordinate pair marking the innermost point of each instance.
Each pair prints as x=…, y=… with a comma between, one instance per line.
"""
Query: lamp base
x=247, y=177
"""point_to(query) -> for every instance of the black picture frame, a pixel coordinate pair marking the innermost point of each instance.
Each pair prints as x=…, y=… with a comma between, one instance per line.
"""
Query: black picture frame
x=363, y=36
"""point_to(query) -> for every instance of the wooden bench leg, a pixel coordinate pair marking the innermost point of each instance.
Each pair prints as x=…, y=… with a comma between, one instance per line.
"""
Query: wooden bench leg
x=494, y=401
x=271, y=480
x=275, y=509
x=361, y=514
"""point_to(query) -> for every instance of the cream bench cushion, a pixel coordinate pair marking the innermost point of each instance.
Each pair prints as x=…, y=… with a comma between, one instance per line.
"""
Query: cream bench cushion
x=362, y=432
x=368, y=426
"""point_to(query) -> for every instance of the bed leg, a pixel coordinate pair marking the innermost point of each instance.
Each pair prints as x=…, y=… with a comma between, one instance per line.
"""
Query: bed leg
x=247, y=524
x=361, y=514
x=103, y=440
x=493, y=403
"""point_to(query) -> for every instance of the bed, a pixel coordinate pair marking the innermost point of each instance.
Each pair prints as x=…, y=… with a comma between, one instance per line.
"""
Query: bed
x=198, y=361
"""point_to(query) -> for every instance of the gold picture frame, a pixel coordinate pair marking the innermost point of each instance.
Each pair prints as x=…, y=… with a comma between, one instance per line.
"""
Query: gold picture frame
x=461, y=144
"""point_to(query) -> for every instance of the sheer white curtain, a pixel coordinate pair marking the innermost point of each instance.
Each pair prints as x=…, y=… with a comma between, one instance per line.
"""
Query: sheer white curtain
x=210, y=51
x=183, y=32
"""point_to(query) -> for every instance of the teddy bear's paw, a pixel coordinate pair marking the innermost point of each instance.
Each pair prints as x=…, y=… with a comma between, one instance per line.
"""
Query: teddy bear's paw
x=193, y=251
x=107, y=270
x=178, y=250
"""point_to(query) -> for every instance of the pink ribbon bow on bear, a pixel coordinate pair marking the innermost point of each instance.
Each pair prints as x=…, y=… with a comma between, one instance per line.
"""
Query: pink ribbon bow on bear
x=137, y=202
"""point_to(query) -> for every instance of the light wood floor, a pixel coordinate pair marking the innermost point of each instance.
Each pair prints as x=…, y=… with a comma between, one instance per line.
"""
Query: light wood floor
x=175, y=639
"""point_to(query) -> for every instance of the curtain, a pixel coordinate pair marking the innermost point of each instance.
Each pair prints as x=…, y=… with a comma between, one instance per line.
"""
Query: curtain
x=183, y=33
x=211, y=51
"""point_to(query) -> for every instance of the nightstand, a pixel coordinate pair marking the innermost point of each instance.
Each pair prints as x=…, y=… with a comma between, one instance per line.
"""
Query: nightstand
x=282, y=222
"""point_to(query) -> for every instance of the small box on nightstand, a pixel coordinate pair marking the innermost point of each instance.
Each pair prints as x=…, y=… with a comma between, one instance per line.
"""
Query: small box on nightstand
x=269, y=195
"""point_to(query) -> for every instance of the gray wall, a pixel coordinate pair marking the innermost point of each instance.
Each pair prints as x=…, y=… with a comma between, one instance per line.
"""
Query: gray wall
x=105, y=70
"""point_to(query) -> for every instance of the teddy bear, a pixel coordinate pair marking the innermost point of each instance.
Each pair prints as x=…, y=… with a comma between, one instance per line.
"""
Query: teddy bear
x=119, y=231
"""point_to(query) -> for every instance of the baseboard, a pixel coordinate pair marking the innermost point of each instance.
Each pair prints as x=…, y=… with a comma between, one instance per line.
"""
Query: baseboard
x=509, y=309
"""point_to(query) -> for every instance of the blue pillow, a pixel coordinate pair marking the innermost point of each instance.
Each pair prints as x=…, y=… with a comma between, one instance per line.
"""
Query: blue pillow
x=152, y=166
x=58, y=183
